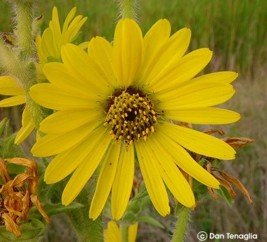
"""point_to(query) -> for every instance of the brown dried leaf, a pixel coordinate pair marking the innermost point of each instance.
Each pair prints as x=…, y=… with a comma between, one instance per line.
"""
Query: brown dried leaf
x=36, y=202
x=19, y=180
x=227, y=186
x=238, y=142
x=3, y=171
x=17, y=196
x=11, y=226
x=214, y=131
x=23, y=162
x=213, y=193
x=237, y=183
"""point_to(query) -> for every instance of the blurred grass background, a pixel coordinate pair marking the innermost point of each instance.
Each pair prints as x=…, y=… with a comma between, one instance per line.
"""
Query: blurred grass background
x=236, y=30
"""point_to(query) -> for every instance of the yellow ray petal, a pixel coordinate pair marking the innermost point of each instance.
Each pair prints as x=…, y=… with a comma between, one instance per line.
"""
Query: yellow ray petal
x=65, y=121
x=184, y=69
x=82, y=66
x=208, y=115
x=73, y=29
x=157, y=34
x=84, y=171
x=59, y=75
x=191, y=86
x=128, y=47
x=68, y=19
x=197, y=95
x=12, y=101
x=154, y=39
x=54, y=26
x=101, y=51
x=9, y=86
x=168, y=55
x=50, y=96
x=112, y=233
x=186, y=162
x=48, y=45
x=52, y=144
x=222, y=76
x=65, y=163
x=27, y=126
x=153, y=181
x=199, y=142
x=132, y=232
x=123, y=182
x=40, y=52
x=84, y=45
x=172, y=176
x=105, y=181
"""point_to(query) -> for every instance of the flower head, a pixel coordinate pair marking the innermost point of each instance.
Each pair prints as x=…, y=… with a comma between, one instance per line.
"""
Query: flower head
x=48, y=49
x=55, y=36
x=125, y=101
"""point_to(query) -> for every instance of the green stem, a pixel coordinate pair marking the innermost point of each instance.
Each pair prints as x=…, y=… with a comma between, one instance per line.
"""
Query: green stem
x=20, y=61
x=183, y=215
x=127, y=8
x=7, y=57
x=24, y=20
x=25, y=72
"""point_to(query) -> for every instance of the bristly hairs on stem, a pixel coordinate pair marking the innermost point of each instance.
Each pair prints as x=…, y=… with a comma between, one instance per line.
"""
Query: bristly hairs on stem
x=181, y=227
x=128, y=9
x=21, y=58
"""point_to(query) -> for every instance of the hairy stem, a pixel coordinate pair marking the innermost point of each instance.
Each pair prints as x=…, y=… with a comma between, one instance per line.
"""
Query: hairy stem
x=183, y=215
x=24, y=19
x=128, y=8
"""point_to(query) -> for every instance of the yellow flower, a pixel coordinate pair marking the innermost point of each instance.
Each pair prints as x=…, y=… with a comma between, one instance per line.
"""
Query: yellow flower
x=113, y=233
x=48, y=49
x=54, y=37
x=124, y=101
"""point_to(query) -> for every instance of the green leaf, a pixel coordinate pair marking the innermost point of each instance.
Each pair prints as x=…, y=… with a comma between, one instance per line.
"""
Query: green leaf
x=52, y=209
x=151, y=221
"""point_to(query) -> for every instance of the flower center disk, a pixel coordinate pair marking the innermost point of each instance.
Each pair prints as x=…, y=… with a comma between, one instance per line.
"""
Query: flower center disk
x=130, y=115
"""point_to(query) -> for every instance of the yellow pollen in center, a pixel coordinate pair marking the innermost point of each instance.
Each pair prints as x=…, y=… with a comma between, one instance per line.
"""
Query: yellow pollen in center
x=131, y=117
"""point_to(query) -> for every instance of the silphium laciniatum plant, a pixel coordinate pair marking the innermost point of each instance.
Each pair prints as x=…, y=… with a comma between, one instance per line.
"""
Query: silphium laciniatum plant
x=116, y=117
